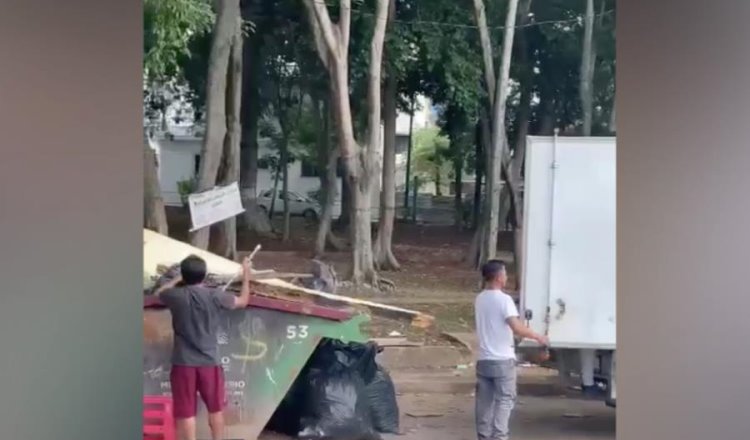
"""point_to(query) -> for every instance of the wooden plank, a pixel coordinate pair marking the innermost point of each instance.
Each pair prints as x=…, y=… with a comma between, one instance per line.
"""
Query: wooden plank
x=280, y=305
x=395, y=342
x=160, y=250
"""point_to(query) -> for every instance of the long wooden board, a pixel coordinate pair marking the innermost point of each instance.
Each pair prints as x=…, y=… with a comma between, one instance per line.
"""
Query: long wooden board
x=160, y=250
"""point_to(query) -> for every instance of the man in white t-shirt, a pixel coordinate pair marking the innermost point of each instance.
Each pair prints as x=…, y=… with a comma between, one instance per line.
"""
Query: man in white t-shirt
x=497, y=322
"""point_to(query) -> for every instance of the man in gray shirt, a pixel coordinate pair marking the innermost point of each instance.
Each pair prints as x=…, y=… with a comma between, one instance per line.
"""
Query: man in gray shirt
x=196, y=369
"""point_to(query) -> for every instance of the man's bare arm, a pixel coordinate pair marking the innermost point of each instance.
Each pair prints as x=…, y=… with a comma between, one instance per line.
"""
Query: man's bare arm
x=521, y=330
x=244, y=298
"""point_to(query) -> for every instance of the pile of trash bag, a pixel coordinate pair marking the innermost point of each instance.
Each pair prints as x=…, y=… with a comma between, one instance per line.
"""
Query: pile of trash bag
x=341, y=394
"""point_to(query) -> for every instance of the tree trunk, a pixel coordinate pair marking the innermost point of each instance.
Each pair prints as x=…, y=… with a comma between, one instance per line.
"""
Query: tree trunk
x=327, y=163
x=254, y=218
x=286, y=229
x=548, y=117
x=587, y=70
x=478, y=173
x=328, y=182
x=283, y=107
x=346, y=203
x=155, y=215
x=408, y=159
x=227, y=22
x=476, y=255
x=332, y=43
x=458, y=178
x=227, y=230
x=364, y=266
x=438, y=180
x=486, y=41
x=524, y=113
x=383, y=252
x=499, y=138
x=274, y=193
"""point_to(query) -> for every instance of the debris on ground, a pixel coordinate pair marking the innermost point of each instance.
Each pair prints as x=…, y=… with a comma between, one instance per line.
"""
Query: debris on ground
x=424, y=415
x=574, y=416
x=395, y=342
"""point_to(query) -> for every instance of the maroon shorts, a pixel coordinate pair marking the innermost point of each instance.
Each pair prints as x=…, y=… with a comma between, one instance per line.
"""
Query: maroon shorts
x=187, y=382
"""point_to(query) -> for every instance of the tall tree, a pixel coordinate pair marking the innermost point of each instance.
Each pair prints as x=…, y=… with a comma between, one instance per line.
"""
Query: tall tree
x=258, y=12
x=169, y=26
x=383, y=252
x=499, y=141
x=332, y=43
x=228, y=24
x=588, y=60
x=328, y=157
x=524, y=65
x=288, y=104
x=229, y=172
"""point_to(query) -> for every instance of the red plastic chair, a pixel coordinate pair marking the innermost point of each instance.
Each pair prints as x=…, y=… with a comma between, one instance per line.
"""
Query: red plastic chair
x=158, y=419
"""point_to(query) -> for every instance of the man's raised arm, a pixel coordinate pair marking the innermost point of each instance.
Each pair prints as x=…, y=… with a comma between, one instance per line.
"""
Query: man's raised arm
x=244, y=298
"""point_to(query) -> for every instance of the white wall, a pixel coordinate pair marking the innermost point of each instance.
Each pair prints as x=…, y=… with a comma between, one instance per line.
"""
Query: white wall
x=177, y=163
x=177, y=160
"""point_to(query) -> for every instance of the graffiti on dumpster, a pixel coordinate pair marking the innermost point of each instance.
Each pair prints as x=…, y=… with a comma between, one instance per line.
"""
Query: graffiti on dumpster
x=254, y=350
x=154, y=373
x=260, y=351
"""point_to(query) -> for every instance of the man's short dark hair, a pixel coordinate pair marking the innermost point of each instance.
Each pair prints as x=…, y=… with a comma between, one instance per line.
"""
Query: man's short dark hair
x=193, y=269
x=491, y=269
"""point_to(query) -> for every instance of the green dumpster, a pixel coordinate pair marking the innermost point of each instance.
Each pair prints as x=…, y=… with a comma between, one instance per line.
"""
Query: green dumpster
x=262, y=349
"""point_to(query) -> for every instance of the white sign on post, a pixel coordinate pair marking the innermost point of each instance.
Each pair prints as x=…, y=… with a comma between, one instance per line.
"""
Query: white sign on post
x=215, y=205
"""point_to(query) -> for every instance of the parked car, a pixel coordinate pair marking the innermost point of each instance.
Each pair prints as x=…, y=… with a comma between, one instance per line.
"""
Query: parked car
x=298, y=204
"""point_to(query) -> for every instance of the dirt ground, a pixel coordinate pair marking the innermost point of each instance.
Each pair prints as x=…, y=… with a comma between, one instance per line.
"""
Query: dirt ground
x=434, y=278
x=451, y=417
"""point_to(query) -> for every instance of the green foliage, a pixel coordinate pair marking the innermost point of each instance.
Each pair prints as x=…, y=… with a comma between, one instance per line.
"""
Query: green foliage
x=450, y=55
x=431, y=151
x=194, y=70
x=187, y=187
x=169, y=26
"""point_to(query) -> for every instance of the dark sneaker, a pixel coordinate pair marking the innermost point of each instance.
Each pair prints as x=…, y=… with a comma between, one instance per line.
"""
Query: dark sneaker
x=592, y=391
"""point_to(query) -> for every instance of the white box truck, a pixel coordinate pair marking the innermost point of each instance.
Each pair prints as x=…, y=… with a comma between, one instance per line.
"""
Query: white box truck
x=568, y=263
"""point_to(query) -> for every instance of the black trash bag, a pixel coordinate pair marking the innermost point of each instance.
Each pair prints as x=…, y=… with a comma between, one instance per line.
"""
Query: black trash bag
x=286, y=419
x=334, y=354
x=336, y=407
x=381, y=398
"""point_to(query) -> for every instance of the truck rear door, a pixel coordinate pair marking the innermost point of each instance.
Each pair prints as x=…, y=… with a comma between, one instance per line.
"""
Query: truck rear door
x=569, y=240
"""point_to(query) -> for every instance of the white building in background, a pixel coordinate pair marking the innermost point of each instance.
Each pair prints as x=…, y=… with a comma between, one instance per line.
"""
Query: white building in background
x=178, y=153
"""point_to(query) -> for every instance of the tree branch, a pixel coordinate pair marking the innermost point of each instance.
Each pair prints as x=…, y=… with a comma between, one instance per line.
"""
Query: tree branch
x=345, y=23
x=327, y=28
x=320, y=43
x=374, y=86
x=484, y=37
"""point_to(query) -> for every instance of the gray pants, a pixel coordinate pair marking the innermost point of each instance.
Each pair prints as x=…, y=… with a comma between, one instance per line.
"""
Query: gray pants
x=495, y=398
